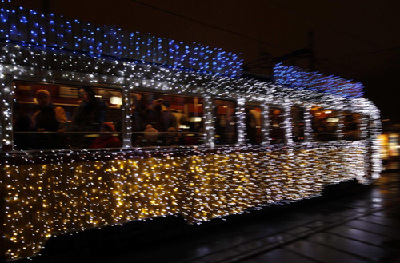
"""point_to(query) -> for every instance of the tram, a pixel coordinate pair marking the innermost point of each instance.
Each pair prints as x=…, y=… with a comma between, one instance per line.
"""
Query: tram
x=94, y=134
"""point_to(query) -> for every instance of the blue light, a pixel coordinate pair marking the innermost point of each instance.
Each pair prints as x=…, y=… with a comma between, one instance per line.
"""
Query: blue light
x=23, y=19
x=297, y=78
x=147, y=48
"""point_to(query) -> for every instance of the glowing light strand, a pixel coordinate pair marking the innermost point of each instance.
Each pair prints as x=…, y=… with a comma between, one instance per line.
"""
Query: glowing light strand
x=301, y=79
x=56, y=32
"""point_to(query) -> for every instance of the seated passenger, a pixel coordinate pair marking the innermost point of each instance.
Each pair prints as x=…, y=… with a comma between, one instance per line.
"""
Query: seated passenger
x=106, y=139
x=171, y=136
x=168, y=119
x=151, y=135
x=154, y=114
x=90, y=114
x=49, y=119
x=87, y=117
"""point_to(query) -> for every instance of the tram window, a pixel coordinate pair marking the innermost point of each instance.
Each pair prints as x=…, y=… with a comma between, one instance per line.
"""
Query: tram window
x=165, y=119
x=253, y=124
x=276, y=121
x=324, y=124
x=49, y=116
x=225, y=122
x=351, y=128
x=297, y=115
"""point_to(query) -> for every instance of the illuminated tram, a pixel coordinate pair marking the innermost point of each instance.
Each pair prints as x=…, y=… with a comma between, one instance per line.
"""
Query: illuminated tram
x=203, y=143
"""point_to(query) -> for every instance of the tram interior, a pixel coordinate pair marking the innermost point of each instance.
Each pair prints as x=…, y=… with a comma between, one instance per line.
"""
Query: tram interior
x=157, y=119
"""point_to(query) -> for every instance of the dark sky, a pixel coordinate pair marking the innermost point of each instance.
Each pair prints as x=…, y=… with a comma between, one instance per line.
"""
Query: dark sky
x=356, y=39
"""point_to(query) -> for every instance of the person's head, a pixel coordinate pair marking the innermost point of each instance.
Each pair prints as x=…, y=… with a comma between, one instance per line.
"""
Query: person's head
x=88, y=95
x=158, y=104
x=137, y=97
x=150, y=134
x=43, y=98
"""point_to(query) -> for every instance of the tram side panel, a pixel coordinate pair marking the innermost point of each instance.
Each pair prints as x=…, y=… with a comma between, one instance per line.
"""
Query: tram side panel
x=59, y=198
x=55, y=194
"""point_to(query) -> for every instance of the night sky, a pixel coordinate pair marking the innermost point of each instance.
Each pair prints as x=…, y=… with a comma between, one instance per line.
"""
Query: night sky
x=358, y=40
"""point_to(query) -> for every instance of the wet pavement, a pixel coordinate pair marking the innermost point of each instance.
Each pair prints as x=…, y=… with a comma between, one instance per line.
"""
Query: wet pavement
x=358, y=226
x=353, y=224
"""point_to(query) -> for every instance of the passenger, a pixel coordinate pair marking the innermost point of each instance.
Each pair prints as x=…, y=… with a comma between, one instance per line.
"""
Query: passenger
x=90, y=114
x=49, y=119
x=168, y=119
x=154, y=114
x=180, y=117
x=87, y=117
x=151, y=135
x=171, y=137
x=168, y=125
x=106, y=139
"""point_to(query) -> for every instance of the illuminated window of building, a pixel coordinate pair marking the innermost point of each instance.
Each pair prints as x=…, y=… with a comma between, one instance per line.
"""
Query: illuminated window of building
x=225, y=122
x=166, y=119
x=51, y=116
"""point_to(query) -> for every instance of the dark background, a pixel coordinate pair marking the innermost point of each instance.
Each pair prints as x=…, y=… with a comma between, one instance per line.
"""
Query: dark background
x=358, y=40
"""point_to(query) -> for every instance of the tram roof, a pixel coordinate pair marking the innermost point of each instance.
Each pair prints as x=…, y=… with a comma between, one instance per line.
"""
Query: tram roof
x=48, y=31
x=29, y=27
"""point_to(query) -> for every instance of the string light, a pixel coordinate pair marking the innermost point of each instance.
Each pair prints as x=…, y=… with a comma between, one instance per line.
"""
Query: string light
x=57, y=32
x=299, y=78
x=53, y=192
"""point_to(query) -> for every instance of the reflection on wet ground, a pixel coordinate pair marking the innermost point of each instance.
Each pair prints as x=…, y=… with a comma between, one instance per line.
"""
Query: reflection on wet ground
x=358, y=227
